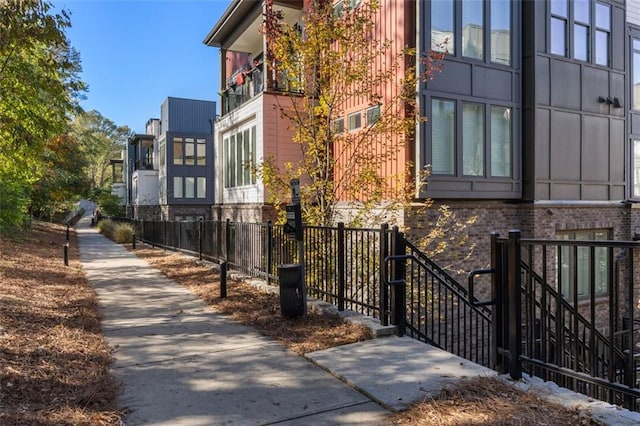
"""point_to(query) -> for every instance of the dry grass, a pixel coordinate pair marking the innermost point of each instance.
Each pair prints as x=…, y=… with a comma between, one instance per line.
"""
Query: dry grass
x=53, y=359
x=488, y=401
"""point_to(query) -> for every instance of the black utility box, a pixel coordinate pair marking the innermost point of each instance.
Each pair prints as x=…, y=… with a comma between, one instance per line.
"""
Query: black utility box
x=292, y=298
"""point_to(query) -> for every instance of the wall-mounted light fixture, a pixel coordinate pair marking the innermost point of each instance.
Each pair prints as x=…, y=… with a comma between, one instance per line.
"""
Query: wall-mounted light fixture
x=601, y=99
x=616, y=103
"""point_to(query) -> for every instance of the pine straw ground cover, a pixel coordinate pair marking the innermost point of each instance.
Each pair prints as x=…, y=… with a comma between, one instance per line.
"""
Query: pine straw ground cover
x=53, y=359
x=480, y=401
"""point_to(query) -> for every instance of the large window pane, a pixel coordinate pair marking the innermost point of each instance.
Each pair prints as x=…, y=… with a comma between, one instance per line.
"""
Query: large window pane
x=473, y=29
x=602, y=48
x=201, y=187
x=635, y=91
x=189, y=152
x=239, y=165
x=559, y=36
x=178, y=151
x=443, y=119
x=201, y=152
x=560, y=8
x=580, y=42
x=603, y=17
x=575, y=268
x=582, y=11
x=253, y=152
x=189, y=187
x=500, y=142
x=246, y=160
x=473, y=139
x=177, y=187
x=442, y=24
x=232, y=161
x=501, y=32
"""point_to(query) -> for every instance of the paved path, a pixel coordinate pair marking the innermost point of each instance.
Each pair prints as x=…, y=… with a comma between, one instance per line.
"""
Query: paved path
x=183, y=364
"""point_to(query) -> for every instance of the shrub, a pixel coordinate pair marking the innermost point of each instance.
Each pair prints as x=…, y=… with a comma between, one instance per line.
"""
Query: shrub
x=106, y=228
x=122, y=233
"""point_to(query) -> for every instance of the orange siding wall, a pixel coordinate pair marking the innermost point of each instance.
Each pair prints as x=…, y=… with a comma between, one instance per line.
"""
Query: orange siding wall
x=395, y=21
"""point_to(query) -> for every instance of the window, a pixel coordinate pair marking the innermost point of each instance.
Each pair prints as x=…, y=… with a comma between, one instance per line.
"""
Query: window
x=484, y=145
x=473, y=139
x=466, y=28
x=201, y=152
x=580, y=29
x=177, y=187
x=355, y=120
x=189, y=152
x=443, y=121
x=603, y=34
x=501, y=32
x=340, y=6
x=473, y=29
x=239, y=155
x=178, y=151
x=338, y=125
x=575, y=270
x=500, y=141
x=189, y=187
x=372, y=115
x=442, y=26
x=201, y=187
x=635, y=89
x=582, y=18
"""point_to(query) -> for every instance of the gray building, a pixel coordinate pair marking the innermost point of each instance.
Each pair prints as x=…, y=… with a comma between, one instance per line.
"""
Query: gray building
x=534, y=122
x=170, y=168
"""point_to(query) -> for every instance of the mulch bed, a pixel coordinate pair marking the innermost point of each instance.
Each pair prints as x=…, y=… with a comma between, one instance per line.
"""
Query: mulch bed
x=53, y=359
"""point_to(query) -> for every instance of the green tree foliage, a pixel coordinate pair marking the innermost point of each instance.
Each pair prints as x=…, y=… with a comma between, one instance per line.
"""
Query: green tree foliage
x=62, y=179
x=328, y=67
x=39, y=90
x=101, y=140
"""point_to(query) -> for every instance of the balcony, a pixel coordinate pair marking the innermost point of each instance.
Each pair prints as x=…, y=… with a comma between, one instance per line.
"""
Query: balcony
x=243, y=85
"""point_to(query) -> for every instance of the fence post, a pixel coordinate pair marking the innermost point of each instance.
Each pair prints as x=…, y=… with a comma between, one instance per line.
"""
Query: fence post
x=341, y=267
x=200, y=239
x=65, y=251
x=227, y=239
x=269, y=251
x=382, y=285
x=515, y=305
x=497, y=311
x=399, y=290
x=223, y=280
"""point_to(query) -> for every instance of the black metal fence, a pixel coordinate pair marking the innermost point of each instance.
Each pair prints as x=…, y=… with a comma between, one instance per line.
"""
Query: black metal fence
x=564, y=310
x=342, y=265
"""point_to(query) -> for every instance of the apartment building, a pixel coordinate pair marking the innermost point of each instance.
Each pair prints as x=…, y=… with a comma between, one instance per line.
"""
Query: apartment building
x=533, y=123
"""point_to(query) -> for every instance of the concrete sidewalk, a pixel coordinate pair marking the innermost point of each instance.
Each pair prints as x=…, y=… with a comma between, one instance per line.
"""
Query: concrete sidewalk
x=181, y=363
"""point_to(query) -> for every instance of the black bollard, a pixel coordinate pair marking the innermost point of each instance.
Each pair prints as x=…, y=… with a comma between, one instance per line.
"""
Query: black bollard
x=66, y=254
x=133, y=240
x=223, y=280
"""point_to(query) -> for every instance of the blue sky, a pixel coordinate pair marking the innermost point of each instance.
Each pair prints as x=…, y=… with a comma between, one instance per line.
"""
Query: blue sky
x=137, y=53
